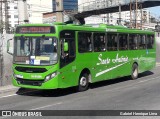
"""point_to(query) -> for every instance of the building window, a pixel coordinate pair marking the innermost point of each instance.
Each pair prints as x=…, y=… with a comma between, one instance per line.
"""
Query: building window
x=9, y=16
x=15, y=16
x=15, y=7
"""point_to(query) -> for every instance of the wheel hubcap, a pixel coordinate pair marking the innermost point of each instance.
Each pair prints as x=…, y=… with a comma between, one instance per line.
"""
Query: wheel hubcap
x=83, y=81
x=135, y=72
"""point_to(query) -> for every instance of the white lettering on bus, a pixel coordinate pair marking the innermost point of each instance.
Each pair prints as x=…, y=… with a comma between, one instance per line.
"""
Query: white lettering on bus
x=103, y=61
x=116, y=60
x=120, y=59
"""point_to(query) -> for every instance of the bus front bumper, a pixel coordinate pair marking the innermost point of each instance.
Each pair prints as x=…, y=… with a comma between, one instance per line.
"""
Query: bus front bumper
x=33, y=84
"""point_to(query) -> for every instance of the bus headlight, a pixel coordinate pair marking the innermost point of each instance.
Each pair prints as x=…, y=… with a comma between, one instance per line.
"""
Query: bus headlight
x=17, y=76
x=50, y=76
x=47, y=78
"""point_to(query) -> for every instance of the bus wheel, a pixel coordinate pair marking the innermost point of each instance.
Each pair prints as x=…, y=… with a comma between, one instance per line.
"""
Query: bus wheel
x=83, y=82
x=134, y=74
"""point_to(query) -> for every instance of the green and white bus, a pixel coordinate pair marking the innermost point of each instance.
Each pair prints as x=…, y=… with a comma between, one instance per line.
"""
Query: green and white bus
x=59, y=55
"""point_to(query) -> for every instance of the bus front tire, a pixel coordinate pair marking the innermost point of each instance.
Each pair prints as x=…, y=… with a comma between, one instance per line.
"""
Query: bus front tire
x=83, y=82
x=134, y=74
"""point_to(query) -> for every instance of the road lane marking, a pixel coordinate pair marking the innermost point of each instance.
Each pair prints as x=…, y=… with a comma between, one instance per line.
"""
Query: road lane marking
x=7, y=96
x=17, y=94
x=46, y=106
x=58, y=103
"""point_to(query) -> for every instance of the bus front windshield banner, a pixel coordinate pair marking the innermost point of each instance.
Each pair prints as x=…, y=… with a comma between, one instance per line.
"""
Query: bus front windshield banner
x=35, y=50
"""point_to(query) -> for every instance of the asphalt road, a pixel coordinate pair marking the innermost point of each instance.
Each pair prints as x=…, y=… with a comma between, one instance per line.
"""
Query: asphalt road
x=118, y=94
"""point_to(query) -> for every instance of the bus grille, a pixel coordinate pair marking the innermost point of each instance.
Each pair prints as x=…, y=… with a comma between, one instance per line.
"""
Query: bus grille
x=29, y=82
x=30, y=70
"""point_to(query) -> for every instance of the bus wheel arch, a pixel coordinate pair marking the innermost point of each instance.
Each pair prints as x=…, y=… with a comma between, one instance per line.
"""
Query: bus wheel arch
x=84, y=80
x=134, y=71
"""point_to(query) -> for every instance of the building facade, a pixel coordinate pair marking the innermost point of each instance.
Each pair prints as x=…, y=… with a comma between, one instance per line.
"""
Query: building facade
x=61, y=8
x=36, y=8
x=13, y=19
x=68, y=5
x=17, y=12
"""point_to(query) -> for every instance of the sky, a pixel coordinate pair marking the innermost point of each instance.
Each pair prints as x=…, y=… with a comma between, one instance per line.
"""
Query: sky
x=155, y=11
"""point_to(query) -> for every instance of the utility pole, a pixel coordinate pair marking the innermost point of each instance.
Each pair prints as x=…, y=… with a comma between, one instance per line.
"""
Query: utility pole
x=59, y=11
x=136, y=14
x=22, y=12
x=3, y=29
x=120, y=18
x=1, y=17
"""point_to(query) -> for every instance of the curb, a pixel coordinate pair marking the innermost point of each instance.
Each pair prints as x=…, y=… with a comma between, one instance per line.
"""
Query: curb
x=8, y=89
x=157, y=64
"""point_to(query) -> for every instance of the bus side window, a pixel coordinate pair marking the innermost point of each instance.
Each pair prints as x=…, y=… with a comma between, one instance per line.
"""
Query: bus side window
x=150, y=41
x=123, y=42
x=133, y=42
x=99, y=42
x=84, y=42
x=112, y=42
x=142, y=42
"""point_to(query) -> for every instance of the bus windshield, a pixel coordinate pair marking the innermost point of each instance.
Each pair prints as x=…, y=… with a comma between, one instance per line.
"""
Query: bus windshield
x=35, y=50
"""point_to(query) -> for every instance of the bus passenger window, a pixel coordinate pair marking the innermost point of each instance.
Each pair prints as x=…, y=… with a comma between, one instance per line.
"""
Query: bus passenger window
x=142, y=42
x=99, y=42
x=133, y=42
x=84, y=42
x=112, y=42
x=123, y=42
x=150, y=41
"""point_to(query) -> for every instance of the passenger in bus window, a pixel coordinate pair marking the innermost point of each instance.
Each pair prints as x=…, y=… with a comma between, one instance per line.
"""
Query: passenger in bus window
x=89, y=44
x=102, y=43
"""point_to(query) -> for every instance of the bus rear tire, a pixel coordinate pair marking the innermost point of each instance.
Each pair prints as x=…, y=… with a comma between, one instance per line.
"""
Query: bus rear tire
x=83, y=82
x=134, y=74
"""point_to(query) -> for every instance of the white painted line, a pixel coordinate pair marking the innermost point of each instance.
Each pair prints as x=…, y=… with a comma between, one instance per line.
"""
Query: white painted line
x=46, y=106
x=7, y=96
x=157, y=65
x=15, y=94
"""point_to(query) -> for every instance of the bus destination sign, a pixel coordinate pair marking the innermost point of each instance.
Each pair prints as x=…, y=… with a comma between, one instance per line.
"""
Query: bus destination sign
x=35, y=29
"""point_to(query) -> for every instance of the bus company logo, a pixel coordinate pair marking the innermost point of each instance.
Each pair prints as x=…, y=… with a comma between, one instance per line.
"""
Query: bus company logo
x=118, y=59
x=121, y=60
x=6, y=113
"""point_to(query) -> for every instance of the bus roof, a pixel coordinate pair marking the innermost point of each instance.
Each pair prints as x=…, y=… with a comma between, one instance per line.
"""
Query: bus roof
x=100, y=27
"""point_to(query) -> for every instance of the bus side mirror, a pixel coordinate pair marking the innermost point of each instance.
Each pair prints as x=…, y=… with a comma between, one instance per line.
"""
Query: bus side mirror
x=65, y=47
x=8, y=47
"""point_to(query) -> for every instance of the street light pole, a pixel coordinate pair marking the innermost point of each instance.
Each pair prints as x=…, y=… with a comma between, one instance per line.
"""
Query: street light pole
x=59, y=11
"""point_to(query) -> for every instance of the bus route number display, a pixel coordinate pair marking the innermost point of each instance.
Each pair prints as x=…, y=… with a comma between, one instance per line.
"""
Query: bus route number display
x=35, y=29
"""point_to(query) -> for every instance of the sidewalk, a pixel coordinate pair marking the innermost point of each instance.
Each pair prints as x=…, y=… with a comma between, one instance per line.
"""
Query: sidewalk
x=9, y=89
